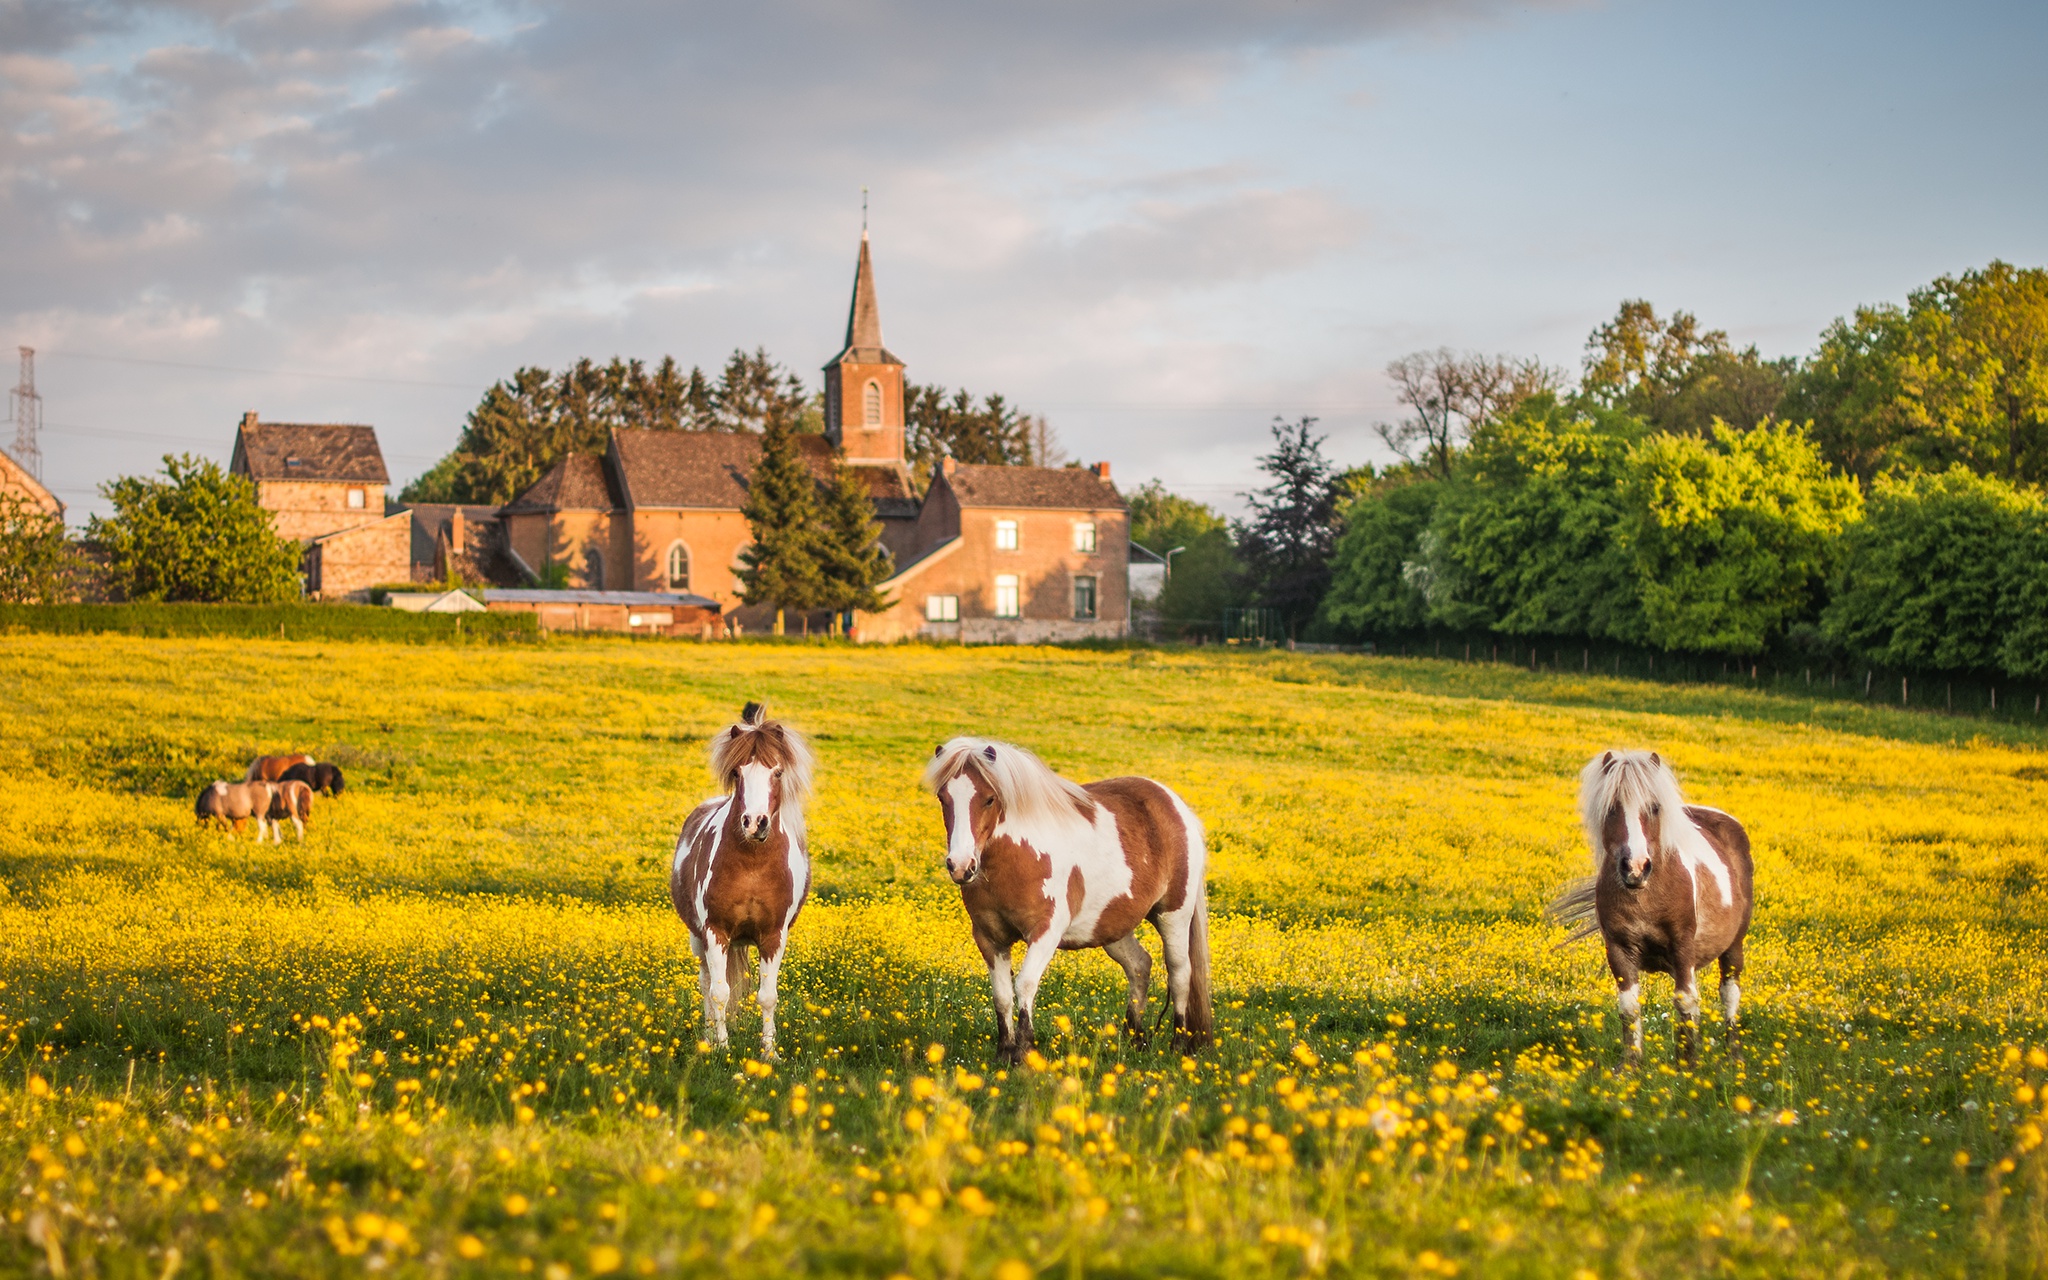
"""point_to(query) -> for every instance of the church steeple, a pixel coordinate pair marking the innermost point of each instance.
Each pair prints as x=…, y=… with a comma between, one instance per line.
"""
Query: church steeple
x=864, y=382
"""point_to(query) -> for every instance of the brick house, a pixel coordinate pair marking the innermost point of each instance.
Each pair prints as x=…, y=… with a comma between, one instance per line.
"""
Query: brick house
x=1014, y=554
x=16, y=481
x=323, y=484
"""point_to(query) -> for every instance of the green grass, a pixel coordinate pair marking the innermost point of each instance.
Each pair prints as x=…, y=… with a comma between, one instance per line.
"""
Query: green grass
x=460, y=1019
x=279, y=621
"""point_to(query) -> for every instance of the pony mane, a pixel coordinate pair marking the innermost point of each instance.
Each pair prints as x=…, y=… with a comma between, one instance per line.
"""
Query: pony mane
x=1030, y=792
x=758, y=740
x=1631, y=780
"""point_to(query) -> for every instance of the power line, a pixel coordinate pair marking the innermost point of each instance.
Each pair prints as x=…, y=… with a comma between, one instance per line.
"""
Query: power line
x=267, y=373
x=25, y=407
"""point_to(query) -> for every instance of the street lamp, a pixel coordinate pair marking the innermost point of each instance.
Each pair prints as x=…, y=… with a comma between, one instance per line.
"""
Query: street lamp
x=1169, y=561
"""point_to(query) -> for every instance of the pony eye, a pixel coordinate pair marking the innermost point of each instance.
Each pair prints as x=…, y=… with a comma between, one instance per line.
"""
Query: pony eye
x=1655, y=808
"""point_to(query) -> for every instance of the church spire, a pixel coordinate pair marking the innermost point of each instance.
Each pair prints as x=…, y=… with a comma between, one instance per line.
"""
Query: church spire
x=864, y=320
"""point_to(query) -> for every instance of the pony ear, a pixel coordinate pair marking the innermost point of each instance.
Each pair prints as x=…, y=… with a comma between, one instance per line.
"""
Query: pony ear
x=753, y=713
x=1606, y=763
x=939, y=750
x=1656, y=761
x=990, y=752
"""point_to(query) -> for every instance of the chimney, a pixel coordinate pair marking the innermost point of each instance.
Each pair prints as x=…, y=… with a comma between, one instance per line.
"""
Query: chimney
x=455, y=530
x=249, y=418
x=1101, y=470
x=946, y=466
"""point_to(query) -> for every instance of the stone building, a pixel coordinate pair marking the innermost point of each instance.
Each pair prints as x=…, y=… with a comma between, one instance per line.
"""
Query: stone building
x=1014, y=554
x=323, y=484
x=16, y=481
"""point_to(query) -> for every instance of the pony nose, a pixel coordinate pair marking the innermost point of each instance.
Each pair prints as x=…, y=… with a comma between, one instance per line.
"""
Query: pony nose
x=961, y=871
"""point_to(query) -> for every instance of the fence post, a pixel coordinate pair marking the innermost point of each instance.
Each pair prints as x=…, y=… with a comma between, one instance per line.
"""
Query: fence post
x=1903, y=691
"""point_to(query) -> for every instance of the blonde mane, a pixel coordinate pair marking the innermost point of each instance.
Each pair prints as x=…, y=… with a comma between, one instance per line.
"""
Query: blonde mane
x=1632, y=780
x=757, y=739
x=1030, y=792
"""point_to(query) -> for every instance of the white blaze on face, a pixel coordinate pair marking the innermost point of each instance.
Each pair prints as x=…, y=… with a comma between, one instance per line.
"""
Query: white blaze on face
x=961, y=851
x=757, y=782
x=1635, y=847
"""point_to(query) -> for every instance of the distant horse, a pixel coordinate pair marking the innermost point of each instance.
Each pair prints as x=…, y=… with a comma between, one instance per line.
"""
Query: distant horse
x=272, y=768
x=321, y=777
x=234, y=803
x=1056, y=866
x=1672, y=888
x=740, y=873
x=291, y=799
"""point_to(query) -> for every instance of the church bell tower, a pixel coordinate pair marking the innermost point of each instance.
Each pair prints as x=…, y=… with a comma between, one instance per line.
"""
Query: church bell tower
x=864, y=383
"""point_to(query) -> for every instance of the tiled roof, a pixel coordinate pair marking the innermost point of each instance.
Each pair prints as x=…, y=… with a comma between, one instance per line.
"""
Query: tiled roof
x=537, y=595
x=576, y=483
x=428, y=519
x=309, y=451
x=1064, y=488
x=700, y=468
x=889, y=487
x=864, y=318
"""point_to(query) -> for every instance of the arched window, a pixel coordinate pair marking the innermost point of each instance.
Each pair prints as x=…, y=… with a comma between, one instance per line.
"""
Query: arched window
x=678, y=567
x=593, y=569
x=872, y=398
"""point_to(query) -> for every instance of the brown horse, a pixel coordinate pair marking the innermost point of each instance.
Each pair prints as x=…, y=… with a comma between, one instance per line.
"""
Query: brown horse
x=271, y=768
x=321, y=777
x=1672, y=888
x=290, y=799
x=1056, y=866
x=234, y=803
x=740, y=873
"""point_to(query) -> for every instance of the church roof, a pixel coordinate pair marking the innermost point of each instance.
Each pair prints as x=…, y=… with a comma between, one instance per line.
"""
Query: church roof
x=864, y=318
x=699, y=468
x=575, y=483
x=1058, y=488
x=308, y=451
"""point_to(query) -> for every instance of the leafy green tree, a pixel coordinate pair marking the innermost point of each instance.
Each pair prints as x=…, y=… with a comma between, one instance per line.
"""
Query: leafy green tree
x=852, y=560
x=783, y=566
x=1205, y=577
x=1849, y=391
x=1286, y=545
x=1370, y=590
x=38, y=564
x=1161, y=521
x=1733, y=536
x=1925, y=576
x=197, y=534
x=1677, y=378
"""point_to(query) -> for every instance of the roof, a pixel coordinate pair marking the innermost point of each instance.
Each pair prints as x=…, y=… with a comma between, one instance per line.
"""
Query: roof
x=577, y=482
x=699, y=468
x=889, y=488
x=536, y=595
x=1144, y=555
x=429, y=517
x=308, y=451
x=1059, y=488
x=863, y=318
x=17, y=479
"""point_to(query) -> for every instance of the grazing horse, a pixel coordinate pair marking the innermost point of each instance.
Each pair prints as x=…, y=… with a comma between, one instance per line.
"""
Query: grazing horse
x=290, y=799
x=321, y=777
x=1672, y=889
x=1057, y=866
x=233, y=803
x=272, y=768
x=740, y=873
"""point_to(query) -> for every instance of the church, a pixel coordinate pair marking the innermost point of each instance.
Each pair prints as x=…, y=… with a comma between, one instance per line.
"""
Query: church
x=983, y=554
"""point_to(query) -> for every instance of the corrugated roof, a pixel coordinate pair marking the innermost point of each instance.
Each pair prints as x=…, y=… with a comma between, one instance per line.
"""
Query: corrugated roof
x=1064, y=488
x=575, y=483
x=700, y=468
x=535, y=595
x=309, y=451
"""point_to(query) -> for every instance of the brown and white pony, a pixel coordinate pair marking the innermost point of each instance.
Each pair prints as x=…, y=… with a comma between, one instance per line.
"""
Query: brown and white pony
x=290, y=799
x=1672, y=889
x=233, y=803
x=740, y=873
x=272, y=768
x=320, y=777
x=1056, y=866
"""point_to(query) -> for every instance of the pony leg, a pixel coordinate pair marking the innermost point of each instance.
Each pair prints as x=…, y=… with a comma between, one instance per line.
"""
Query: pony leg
x=1685, y=1000
x=997, y=957
x=1629, y=996
x=1136, y=962
x=1731, y=997
x=719, y=991
x=1038, y=953
x=1176, y=942
x=770, y=967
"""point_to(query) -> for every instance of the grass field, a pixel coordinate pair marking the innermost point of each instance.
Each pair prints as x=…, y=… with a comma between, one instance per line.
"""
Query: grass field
x=455, y=1031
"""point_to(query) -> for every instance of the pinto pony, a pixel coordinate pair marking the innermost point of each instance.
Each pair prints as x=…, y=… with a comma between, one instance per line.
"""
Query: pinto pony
x=272, y=768
x=233, y=803
x=290, y=800
x=1058, y=866
x=740, y=873
x=320, y=777
x=1672, y=888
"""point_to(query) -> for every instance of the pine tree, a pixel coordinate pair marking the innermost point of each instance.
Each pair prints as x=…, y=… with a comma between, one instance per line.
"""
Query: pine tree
x=1287, y=543
x=782, y=567
x=853, y=559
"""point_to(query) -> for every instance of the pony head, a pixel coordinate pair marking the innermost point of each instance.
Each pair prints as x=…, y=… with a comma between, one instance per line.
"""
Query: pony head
x=1625, y=798
x=982, y=784
x=768, y=765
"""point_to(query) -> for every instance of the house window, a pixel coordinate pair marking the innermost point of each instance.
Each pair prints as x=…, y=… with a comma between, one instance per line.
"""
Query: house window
x=678, y=567
x=356, y=499
x=1084, y=598
x=1084, y=537
x=1006, y=535
x=1006, y=596
x=593, y=569
x=942, y=608
x=872, y=404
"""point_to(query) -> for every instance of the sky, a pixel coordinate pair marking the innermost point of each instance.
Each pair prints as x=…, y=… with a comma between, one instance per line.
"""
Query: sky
x=1160, y=225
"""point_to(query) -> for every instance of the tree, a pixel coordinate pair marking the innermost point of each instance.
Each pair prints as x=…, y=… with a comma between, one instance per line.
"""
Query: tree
x=1287, y=543
x=852, y=560
x=38, y=564
x=1733, y=536
x=1370, y=589
x=1925, y=576
x=753, y=390
x=1451, y=395
x=941, y=424
x=1677, y=378
x=197, y=534
x=783, y=565
x=1205, y=577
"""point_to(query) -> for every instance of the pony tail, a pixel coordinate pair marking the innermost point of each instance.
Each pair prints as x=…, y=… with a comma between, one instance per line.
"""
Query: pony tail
x=754, y=714
x=1575, y=909
x=1201, y=1020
